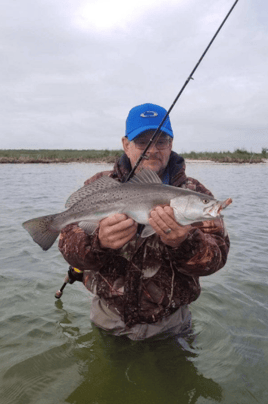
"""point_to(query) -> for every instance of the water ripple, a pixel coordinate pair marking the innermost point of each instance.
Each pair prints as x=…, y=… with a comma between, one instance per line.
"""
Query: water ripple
x=49, y=351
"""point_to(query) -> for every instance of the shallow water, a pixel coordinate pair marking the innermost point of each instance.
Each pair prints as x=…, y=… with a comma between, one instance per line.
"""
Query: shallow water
x=49, y=351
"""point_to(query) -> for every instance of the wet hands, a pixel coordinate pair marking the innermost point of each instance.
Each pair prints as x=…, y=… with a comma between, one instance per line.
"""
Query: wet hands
x=162, y=220
x=116, y=230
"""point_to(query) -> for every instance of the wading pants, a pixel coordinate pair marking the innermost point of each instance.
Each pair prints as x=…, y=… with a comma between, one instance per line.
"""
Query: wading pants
x=178, y=323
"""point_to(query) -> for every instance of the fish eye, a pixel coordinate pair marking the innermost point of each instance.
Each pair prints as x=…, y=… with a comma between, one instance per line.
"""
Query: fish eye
x=205, y=200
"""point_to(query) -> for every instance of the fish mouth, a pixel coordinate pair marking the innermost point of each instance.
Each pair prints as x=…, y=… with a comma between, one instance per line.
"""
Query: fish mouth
x=216, y=209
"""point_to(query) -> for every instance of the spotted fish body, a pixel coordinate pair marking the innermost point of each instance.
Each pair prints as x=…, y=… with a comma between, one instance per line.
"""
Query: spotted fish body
x=136, y=198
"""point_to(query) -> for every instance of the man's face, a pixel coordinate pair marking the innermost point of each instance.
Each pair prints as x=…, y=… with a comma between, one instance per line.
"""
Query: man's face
x=157, y=158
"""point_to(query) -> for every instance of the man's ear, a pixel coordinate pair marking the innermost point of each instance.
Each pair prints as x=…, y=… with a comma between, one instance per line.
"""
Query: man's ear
x=126, y=144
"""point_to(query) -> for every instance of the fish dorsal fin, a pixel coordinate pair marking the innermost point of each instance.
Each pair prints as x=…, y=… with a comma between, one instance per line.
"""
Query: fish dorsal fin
x=90, y=189
x=145, y=177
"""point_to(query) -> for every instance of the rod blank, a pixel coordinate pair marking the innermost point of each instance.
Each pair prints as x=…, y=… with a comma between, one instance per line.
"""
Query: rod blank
x=158, y=130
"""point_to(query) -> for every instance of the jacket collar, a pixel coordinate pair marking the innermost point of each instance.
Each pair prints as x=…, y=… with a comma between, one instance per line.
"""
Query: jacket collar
x=175, y=169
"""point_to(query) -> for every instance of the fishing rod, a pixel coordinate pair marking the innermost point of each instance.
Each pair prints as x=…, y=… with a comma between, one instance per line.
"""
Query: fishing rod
x=157, y=132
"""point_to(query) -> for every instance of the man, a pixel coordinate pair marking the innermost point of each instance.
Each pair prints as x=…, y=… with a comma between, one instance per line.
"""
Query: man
x=142, y=286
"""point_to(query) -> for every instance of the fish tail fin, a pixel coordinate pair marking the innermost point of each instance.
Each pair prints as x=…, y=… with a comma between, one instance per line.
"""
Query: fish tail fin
x=43, y=230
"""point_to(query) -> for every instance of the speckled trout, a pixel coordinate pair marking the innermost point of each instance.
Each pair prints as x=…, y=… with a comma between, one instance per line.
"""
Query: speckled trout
x=135, y=198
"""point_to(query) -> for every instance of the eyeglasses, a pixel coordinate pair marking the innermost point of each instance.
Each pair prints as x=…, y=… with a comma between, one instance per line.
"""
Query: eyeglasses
x=161, y=144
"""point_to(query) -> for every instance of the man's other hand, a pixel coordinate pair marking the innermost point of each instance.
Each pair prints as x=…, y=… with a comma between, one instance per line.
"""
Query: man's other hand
x=116, y=230
x=163, y=221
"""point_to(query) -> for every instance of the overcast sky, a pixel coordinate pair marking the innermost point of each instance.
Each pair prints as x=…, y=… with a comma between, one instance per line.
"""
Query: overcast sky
x=71, y=70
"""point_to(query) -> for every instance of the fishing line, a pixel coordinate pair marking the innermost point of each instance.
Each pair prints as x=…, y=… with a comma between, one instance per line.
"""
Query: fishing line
x=157, y=132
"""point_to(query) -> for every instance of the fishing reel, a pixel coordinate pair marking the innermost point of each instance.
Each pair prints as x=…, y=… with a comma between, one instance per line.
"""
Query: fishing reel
x=73, y=274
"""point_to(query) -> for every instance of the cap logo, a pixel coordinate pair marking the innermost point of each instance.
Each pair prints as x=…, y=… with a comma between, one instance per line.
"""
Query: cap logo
x=149, y=114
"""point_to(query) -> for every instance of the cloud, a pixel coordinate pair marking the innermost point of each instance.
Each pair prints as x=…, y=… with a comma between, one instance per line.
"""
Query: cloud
x=71, y=70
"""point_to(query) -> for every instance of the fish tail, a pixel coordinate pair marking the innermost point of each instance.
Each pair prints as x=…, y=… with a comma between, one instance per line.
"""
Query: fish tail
x=43, y=230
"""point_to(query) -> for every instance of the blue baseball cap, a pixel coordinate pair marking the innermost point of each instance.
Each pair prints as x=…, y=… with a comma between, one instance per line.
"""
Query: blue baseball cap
x=146, y=117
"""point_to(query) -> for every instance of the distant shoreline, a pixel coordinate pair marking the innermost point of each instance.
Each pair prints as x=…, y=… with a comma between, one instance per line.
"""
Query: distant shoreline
x=239, y=156
x=112, y=161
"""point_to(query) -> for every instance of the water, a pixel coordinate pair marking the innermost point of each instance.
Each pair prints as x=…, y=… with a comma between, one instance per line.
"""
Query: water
x=49, y=351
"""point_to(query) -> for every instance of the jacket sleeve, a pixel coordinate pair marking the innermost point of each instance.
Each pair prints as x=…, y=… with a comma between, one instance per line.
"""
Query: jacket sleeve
x=81, y=250
x=206, y=248
x=204, y=251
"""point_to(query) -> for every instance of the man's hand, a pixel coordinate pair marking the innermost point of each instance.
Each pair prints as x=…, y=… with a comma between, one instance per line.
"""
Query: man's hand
x=162, y=219
x=116, y=230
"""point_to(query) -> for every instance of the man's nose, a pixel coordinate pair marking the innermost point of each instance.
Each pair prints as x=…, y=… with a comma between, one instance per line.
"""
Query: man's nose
x=152, y=148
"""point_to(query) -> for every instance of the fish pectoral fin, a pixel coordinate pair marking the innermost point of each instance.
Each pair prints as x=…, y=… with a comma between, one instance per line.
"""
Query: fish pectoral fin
x=88, y=227
x=147, y=231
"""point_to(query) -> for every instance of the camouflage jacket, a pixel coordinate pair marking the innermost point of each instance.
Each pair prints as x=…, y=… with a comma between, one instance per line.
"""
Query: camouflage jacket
x=146, y=280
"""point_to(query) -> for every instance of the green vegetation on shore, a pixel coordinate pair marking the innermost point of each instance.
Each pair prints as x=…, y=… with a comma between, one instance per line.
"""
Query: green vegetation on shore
x=237, y=156
x=58, y=156
x=109, y=156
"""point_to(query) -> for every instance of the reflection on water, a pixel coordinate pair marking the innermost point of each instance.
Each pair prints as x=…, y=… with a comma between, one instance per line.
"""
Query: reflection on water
x=49, y=351
x=98, y=368
x=141, y=372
